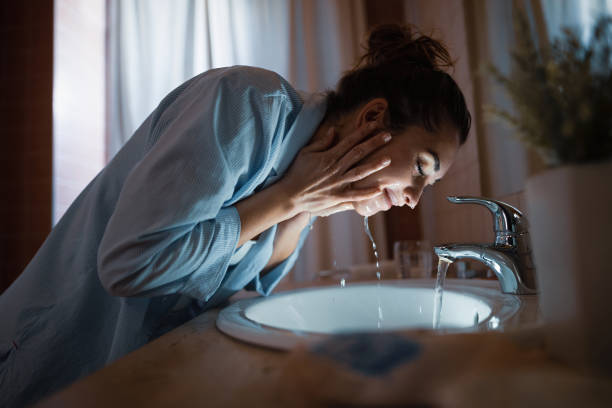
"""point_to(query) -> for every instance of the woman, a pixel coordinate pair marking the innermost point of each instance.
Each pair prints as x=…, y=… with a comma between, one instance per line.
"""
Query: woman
x=212, y=194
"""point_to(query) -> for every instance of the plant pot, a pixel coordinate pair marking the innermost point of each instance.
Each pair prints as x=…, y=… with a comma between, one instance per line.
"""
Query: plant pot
x=570, y=215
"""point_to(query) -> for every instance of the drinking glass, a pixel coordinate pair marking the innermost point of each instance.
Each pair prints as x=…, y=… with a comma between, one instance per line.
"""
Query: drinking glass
x=413, y=259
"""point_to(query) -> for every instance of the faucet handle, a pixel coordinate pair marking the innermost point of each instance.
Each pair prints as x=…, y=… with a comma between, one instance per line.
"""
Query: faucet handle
x=508, y=222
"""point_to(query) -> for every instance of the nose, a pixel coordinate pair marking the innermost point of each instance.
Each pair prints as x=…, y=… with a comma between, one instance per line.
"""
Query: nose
x=413, y=194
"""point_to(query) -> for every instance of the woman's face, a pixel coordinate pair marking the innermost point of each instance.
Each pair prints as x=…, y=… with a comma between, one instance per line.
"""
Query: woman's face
x=418, y=159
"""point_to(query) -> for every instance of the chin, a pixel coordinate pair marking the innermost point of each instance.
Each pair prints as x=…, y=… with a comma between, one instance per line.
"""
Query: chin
x=365, y=213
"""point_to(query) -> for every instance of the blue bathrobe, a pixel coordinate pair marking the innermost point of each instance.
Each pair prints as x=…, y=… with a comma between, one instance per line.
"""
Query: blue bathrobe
x=151, y=241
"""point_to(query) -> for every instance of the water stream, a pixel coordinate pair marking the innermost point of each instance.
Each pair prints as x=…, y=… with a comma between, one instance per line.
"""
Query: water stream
x=443, y=265
x=367, y=229
x=378, y=271
x=439, y=291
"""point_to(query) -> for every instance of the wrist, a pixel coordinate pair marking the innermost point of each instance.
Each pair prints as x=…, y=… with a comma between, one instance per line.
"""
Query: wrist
x=284, y=195
x=263, y=209
x=300, y=221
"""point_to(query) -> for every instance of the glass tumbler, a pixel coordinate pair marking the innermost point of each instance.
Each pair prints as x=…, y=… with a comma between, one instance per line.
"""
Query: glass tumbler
x=413, y=259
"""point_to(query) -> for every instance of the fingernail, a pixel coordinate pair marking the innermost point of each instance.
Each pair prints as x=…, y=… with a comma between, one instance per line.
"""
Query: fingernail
x=387, y=137
x=330, y=131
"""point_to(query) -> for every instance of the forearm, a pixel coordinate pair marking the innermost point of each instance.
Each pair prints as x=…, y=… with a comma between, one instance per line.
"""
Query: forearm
x=262, y=210
x=269, y=207
x=287, y=238
x=319, y=181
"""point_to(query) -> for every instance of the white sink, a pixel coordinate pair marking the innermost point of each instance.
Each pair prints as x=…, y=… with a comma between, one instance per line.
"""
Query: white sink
x=288, y=318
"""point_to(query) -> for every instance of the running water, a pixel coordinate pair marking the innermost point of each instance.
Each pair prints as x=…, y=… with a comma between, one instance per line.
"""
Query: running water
x=439, y=290
x=378, y=271
x=367, y=228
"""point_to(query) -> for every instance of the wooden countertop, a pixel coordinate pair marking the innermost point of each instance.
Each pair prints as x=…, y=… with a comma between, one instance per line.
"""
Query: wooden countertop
x=193, y=365
x=196, y=365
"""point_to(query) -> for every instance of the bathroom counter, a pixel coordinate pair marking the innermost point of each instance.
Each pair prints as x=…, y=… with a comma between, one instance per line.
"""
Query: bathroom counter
x=196, y=365
x=193, y=365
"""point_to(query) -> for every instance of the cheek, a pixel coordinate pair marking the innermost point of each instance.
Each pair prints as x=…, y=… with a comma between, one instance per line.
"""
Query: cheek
x=393, y=177
x=386, y=173
x=385, y=176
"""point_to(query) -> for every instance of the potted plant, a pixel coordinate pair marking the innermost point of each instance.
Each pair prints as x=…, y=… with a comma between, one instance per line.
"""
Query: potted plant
x=562, y=97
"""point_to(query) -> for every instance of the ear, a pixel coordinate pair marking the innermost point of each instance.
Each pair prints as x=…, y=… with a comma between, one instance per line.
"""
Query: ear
x=373, y=111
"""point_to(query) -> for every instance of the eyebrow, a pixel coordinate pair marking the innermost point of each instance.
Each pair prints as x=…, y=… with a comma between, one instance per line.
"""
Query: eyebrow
x=436, y=159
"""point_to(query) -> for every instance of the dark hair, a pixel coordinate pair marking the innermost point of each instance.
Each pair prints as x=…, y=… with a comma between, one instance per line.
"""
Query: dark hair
x=407, y=69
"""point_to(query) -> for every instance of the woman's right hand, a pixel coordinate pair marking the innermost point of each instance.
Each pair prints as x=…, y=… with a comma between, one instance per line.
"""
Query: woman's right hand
x=318, y=182
x=320, y=178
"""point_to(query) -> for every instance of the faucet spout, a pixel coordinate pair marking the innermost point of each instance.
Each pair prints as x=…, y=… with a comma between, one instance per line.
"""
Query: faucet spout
x=503, y=262
x=509, y=256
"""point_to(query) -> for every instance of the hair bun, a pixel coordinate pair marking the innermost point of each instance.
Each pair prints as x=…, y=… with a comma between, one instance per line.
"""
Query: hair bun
x=393, y=43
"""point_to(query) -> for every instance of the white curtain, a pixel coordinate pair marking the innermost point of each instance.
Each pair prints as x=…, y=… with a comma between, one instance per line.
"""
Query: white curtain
x=579, y=14
x=154, y=45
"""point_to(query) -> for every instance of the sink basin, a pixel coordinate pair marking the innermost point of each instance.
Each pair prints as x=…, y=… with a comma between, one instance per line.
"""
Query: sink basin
x=288, y=318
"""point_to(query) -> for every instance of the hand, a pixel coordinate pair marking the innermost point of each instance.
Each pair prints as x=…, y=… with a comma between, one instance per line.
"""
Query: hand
x=319, y=182
x=320, y=178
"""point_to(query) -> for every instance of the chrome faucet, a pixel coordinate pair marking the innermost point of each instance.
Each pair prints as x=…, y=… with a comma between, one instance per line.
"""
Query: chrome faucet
x=509, y=257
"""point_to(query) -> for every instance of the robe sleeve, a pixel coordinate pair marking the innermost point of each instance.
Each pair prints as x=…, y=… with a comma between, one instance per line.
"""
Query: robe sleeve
x=172, y=230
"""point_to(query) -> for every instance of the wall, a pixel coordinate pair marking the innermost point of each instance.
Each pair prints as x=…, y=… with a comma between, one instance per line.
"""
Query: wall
x=26, y=77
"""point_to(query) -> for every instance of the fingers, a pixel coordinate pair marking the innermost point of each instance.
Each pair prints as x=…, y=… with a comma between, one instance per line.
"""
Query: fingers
x=335, y=209
x=351, y=140
x=363, y=171
x=359, y=194
x=322, y=143
x=357, y=153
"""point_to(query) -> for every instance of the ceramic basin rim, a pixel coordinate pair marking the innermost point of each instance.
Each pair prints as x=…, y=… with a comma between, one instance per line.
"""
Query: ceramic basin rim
x=233, y=321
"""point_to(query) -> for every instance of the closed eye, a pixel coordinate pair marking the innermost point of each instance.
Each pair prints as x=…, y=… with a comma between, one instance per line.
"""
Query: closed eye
x=420, y=168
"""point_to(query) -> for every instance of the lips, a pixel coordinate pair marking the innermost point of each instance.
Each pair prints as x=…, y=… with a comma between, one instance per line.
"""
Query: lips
x=392, y=198
x=389, y=198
